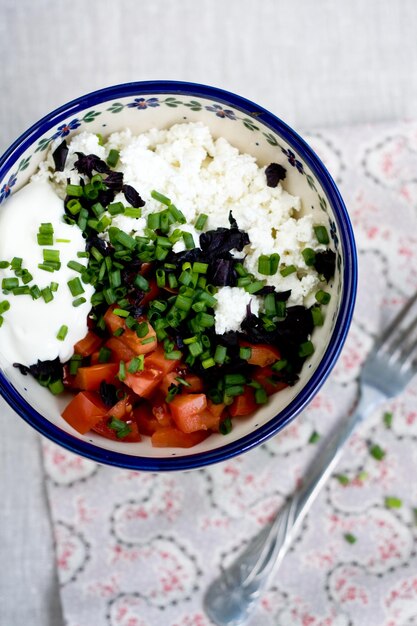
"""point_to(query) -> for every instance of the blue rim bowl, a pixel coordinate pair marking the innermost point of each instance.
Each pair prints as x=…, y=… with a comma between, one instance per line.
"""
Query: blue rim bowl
x=346, y=305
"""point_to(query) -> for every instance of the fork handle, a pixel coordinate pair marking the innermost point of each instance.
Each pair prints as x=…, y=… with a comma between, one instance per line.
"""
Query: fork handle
x=231, y=597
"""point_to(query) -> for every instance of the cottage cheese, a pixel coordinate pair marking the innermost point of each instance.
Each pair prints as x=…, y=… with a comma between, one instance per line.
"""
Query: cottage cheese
x=201, y=174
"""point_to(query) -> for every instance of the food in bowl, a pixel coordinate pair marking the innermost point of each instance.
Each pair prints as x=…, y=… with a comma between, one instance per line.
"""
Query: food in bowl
x=165, y=279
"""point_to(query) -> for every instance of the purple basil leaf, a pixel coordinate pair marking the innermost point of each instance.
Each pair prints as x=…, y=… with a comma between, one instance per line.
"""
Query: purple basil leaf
x=59, y=156
x=325, y=263
x=274, y=173
x=132, y=196
x=108, y=393
x=87, y=163
x=222, y=273
x=114, y=180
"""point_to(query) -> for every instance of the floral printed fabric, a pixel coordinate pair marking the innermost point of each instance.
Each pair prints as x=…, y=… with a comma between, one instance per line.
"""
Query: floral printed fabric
x=137, y=549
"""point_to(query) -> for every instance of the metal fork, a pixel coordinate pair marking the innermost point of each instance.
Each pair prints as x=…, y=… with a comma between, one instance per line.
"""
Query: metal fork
x=387, y=370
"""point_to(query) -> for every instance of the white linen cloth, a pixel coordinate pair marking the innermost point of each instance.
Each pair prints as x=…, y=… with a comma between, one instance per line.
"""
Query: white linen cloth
x=135, y=549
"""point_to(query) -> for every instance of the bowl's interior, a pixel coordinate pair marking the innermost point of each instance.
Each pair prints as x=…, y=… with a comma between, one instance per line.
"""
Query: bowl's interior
x=248, y=132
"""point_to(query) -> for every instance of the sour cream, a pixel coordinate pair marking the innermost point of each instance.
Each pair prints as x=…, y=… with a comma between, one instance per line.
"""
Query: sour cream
x=30, y=326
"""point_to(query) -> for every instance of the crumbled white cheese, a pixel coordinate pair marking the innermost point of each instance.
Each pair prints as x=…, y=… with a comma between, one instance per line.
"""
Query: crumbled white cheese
x=231, y=309
x=201, y=174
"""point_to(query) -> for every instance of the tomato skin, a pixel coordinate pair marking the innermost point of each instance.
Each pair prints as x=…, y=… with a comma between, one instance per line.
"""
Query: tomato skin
x=157, y=360
x=119, y=350
x=89, y=344
x=104, y=430
x=113, y=322
x=244, y=404
x=215, y=409
x=174, y=438
x=145, y=382
x=185, y=408
x=84, y=411
x=263, y=376
x=262, y=353
x=135, y=343
x=145, y=419
x=89, y=378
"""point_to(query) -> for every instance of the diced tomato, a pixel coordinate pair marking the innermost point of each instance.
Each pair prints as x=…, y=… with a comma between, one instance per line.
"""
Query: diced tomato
x=185, y=409
x=150, y=295
x=162, y=413
x=94, y=358
x=158, y=361
x=265, y=376
x=135, y=343
x=244, y=404
x=168, y=380
x=102, y=428
x=88, y=345
x=84, y=411
x=89, y=378
x=68, y=378
x=145, y=382
x=145, y=268
x=195, y=384
x=119, y=350
x=262, y=353
x=215, y=409
x=174, y=438
x=113, y=322
x=145, y=419
x=122, y=409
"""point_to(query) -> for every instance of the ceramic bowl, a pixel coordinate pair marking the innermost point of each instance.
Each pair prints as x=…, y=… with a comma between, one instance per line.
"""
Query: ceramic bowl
x=141, y=106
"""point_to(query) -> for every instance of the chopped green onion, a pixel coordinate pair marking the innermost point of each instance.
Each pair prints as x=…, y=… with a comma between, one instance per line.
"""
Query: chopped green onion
x=74, y=190
x=387, y=417
x=321, y=234
x=349, y=538
x=47, y=294
x=113, y=158
x=74, y=364
x=26, y=277
x=141, y=283
x=78, y=302
x=245, y=353
x=173, y=390
x=188, y=340
x=343, y=479
x=220, y=354
x=274, y=262
x=195, y=348
x=174, y=355
x=47, y=267
x=75, y=286
x=393, y=503
x=200, y=268
x=104, y=355
x=286, y=271
x=317, y=316
x=260, y=396
x=119, y=426
x=122, y=371
x=160, y=277
x=136, y=364
x=121, y=312
x=255, y=286
x=269, y=302
x=323, y=297
x=201, y=221
x=142, y=330
x=154, y=221
x=377, y=452
x=98, y=209
x=160, y=198
x=16, y=263
x=309, y=256
x=21, y=291
x=56, y=387
x=74, y=206
x=234, y=379
x=77, y=267
x=63, y=240
x=133, y=212
x=243, y=281
x=314, y=437
x=225, y=426
x=279, y=365
x=62, y=333
x=4, y=306
x=116, y=208
x=148, y=340
x=125, y=240
x=234, y=390
x=118, y=332
x=264, y=265
x=188, y=240
x=4, y=265
x=306, y=349
x=9, y=283
x=210, y=362
x=177, y=214
x=35, y=292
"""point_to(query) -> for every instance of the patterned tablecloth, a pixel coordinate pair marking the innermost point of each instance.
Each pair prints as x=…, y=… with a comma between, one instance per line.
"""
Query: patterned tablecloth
x=135, y=549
